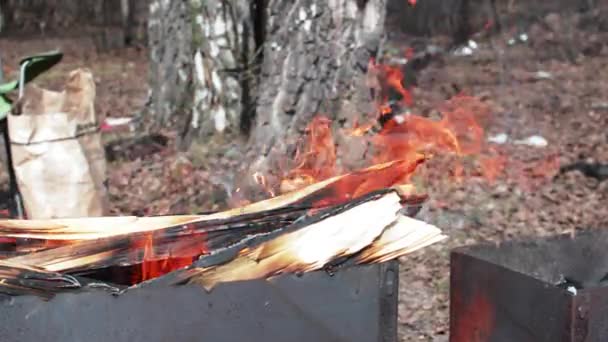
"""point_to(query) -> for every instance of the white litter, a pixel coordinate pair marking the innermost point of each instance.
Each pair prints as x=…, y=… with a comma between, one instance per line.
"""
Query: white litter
x=500, y=138
x=523, y=37
x=534, y=140
x=543, y=75
x=466, y=50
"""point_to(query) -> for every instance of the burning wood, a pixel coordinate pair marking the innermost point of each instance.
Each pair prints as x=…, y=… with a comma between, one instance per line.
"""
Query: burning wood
x=355, y=218
x=326, y=193
x=333, y=235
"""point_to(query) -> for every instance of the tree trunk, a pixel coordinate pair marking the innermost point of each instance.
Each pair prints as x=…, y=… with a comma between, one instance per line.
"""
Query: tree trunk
x=316, y=55
x=201, y=51
x=170, y=42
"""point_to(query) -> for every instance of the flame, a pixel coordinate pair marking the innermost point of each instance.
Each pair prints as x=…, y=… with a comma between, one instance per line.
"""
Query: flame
x=154, y=265
x=398, y=141
x=359, y=130
x=385, y=79
x=361, y=182
x=458, y=132
x=397, y=136
x=316, y=160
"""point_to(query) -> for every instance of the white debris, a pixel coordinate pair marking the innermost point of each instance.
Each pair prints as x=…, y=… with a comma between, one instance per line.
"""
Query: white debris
x=523, y=37
x=534, y=141
x=500, y=138
x=464, y=51
x=572, y=290
x=467, y=50
x=543, y=75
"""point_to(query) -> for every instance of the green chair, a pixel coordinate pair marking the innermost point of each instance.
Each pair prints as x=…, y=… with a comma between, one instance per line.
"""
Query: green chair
x=29, y=68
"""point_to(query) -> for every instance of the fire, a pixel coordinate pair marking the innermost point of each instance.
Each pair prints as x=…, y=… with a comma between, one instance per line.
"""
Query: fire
x=154, y=265
x=359, y=130
x=316, y=160
x=398, y=135
x=386, y=79
x=398, y=141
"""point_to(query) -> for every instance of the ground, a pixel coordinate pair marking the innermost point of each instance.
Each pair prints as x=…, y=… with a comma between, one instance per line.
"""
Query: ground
x=531, y=92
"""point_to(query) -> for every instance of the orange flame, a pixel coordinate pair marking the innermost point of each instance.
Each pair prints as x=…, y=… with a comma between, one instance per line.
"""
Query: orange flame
x=401, y=142
x=359, y=130
x=459, y=132
x=153, y=265
x=385, y=78
x=316, y=160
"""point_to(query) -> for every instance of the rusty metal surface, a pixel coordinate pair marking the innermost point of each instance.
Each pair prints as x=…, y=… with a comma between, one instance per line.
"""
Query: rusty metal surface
x=355, y=304
x=513, y=292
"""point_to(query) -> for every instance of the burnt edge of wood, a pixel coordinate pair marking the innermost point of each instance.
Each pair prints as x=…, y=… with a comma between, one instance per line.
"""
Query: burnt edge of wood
x=225, y=255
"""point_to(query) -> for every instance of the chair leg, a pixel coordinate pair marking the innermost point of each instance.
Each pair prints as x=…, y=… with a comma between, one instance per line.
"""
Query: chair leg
x=16, y=205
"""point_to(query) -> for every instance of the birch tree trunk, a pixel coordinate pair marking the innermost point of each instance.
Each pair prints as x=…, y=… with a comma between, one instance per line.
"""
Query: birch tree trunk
x=200, y=53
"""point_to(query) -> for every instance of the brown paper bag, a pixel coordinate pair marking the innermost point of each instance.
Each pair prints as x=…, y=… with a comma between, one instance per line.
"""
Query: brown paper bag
x=57, y=151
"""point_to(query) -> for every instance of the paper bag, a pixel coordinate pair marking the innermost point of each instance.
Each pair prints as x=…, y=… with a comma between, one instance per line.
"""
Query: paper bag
x=58, y=155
